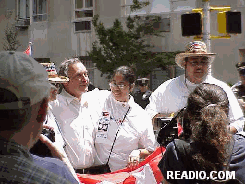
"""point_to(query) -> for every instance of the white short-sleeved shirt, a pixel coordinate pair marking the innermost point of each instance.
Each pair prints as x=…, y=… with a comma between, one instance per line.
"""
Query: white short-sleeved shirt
x=135, y=132
x=76, y=125
x=172, y=95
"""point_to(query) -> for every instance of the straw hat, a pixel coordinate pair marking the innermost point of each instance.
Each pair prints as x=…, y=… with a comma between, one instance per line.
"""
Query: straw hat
x=53, y=77
x=195, y=48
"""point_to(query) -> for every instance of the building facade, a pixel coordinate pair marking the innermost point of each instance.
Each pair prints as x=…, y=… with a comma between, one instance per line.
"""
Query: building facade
x=60, y=29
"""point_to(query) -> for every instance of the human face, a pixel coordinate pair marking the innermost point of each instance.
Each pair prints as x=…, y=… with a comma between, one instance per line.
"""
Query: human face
x=78, y=80
x=120, y=88
x=197, y=68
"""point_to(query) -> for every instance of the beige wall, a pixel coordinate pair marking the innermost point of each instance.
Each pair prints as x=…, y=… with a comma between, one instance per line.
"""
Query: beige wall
x=55, y=38
x=227, y=50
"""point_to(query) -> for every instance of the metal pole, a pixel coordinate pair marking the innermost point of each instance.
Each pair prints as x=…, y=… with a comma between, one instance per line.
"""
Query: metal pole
x=206, y=28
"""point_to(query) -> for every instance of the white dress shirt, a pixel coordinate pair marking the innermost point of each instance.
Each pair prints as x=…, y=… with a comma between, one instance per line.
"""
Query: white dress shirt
x=77, y=128
x=172, y=95
x=134, y=133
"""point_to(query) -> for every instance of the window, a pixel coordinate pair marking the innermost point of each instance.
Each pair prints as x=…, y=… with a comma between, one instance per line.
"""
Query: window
x=83, y=25
x=23, y=9
x=83, y=13
x=162, y=25
x=39, y=10
x=158, y=23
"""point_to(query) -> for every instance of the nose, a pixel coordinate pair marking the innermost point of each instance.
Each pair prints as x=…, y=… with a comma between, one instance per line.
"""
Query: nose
x=83, y=80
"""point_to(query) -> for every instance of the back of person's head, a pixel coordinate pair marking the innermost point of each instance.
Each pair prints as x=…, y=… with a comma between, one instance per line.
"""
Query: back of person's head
x=207, y=111
x=126, y=72
x=23, y=85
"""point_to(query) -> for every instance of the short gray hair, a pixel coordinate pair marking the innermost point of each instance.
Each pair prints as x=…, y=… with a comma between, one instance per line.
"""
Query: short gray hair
x=63, y=69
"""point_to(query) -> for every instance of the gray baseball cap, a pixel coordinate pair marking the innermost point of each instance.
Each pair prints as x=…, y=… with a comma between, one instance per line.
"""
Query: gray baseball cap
x=24, y=77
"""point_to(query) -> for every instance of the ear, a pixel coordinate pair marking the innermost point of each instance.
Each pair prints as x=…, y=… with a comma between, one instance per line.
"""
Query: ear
x=42, y=110
x=131, y=87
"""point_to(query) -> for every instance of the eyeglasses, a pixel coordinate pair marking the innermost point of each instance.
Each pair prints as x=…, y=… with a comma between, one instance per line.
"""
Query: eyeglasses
x=121, y=86
x=194, y=61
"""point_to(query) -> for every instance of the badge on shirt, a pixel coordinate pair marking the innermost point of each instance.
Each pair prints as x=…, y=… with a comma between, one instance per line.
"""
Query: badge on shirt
x=103, y=125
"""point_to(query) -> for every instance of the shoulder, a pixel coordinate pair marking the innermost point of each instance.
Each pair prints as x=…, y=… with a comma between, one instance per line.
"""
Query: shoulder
x=27, y=171
x=96, y=93
x=239, y=144
x=168, y=84
x=218, y=82
x=48, y=162
x=237, y=162
x=55, y=166
x=136, y=109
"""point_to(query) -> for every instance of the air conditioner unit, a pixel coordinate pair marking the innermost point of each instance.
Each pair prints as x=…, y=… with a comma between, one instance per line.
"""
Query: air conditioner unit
x=23, y=23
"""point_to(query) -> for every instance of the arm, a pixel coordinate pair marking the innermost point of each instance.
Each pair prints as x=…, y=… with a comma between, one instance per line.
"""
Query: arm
x=236, y=116
x=153, y=108
x=58, y=154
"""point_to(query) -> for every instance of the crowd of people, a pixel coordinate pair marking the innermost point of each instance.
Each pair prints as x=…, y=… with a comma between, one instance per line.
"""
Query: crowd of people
x=98, y=131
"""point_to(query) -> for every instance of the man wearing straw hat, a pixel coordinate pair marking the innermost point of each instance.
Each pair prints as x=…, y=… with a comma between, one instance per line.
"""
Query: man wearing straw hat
x=171, y=96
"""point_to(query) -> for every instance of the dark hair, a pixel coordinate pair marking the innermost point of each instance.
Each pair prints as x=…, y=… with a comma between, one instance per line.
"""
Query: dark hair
x=242, y=64
x=12, y=120
x=207, y=110
x=126, y=72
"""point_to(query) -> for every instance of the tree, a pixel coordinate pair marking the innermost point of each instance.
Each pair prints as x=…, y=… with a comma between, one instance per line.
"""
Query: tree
x=10, y=37
x=125, y=44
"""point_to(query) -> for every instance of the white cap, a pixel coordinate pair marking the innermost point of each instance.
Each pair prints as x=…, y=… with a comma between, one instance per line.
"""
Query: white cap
x=23, y=76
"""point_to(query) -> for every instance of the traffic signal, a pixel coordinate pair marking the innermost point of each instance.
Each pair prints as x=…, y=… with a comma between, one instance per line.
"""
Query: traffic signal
x=229, y=22
x=191, y=24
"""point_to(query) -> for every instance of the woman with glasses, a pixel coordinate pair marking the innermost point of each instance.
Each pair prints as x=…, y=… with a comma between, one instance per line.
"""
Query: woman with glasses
x=124, y=133
x=209, y=147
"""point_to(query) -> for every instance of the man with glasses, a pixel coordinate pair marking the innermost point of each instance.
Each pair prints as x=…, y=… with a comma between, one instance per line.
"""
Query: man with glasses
x=71, y=113
x=171, y=96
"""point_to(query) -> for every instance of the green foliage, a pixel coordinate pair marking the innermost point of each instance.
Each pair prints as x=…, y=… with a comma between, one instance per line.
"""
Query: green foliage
x=10, y=37
x=138, y=5
x=117, y=46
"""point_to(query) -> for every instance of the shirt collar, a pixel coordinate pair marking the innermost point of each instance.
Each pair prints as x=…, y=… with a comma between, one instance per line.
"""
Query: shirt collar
x=193, y=85
x=129, y=103
x=68, y=98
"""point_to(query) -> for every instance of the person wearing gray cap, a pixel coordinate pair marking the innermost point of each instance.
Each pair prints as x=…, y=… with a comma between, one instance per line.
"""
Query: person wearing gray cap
x=24, y=92
x=171, y=96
